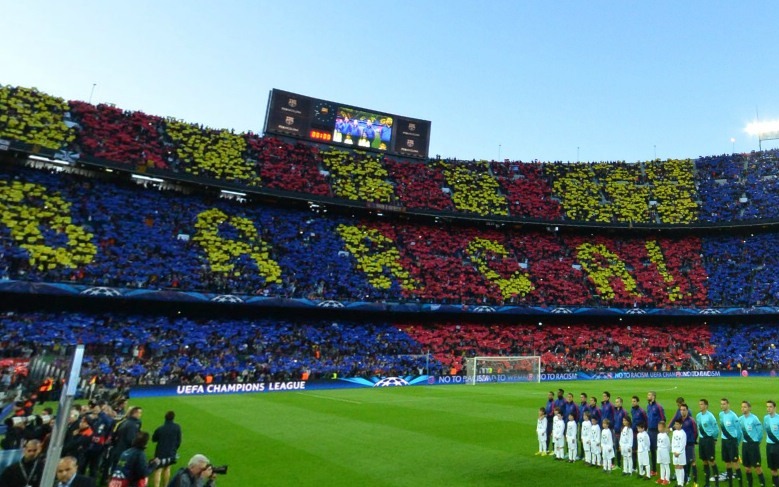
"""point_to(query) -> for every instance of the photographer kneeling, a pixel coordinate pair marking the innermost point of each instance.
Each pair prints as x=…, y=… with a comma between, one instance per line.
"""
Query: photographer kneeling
x=198, y=473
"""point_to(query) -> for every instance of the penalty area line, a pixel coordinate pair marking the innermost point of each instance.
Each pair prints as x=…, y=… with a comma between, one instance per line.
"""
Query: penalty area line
x=308, y=394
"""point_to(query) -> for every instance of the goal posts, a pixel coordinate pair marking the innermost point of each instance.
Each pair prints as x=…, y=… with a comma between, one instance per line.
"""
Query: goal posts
x=502, y=369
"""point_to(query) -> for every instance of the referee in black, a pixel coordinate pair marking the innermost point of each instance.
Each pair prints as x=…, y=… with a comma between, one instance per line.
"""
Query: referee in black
x=708, y=430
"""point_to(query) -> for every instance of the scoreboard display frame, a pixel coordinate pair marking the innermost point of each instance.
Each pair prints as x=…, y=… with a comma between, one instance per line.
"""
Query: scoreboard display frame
x=321, y=121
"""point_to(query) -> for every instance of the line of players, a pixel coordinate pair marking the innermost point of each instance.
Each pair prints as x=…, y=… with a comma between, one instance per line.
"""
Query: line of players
x=609, y=436
x=363, y=132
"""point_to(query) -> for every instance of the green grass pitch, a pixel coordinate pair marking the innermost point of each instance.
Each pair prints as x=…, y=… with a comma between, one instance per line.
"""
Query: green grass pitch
x=410, y=436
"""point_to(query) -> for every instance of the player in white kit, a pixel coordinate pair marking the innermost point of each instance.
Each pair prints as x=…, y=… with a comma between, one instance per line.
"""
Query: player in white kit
x=643, y=450
x=558, y=435
x=607, y=445
x=595, y=442
x=571, y=430
x=586, y=436
x=678, y=446
x=663, y=454
x=626, y=446
x=541, y=432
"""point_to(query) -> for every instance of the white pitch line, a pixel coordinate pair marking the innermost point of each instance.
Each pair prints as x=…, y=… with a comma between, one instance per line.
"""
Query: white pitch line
x=308, y=394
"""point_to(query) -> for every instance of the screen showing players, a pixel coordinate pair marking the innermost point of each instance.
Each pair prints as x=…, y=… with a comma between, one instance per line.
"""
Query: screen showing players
x=363, y=129
x=294, y=115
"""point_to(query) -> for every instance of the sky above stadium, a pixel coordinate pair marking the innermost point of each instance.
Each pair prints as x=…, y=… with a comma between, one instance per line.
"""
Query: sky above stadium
x=565, y=80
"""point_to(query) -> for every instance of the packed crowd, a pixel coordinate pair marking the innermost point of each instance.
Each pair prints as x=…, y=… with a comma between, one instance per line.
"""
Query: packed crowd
x=754, y=346
x=109, y=133
x=574, y=347
x=35, y=118
x=53, y=232
x=738, y=186
x=713, y=188
x=128, y=350
x=742, y=269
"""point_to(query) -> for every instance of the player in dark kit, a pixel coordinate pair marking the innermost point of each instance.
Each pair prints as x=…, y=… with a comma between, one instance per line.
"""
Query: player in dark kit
x=691, y=432
x=654, y=413
x=549, y=408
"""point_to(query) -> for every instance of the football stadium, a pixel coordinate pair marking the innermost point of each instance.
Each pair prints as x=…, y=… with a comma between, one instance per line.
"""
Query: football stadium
x=325, y=300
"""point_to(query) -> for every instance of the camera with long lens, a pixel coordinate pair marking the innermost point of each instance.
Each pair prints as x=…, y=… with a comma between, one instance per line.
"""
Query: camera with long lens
x=219, y=470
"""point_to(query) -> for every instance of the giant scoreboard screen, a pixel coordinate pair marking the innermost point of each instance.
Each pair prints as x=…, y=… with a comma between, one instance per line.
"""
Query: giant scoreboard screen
x=293, y=115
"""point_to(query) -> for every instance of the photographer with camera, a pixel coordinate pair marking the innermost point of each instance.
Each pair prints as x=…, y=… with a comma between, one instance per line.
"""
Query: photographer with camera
x=198, y=473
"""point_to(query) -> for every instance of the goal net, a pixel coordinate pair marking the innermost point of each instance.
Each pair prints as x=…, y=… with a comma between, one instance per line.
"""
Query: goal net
x=502, y=369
